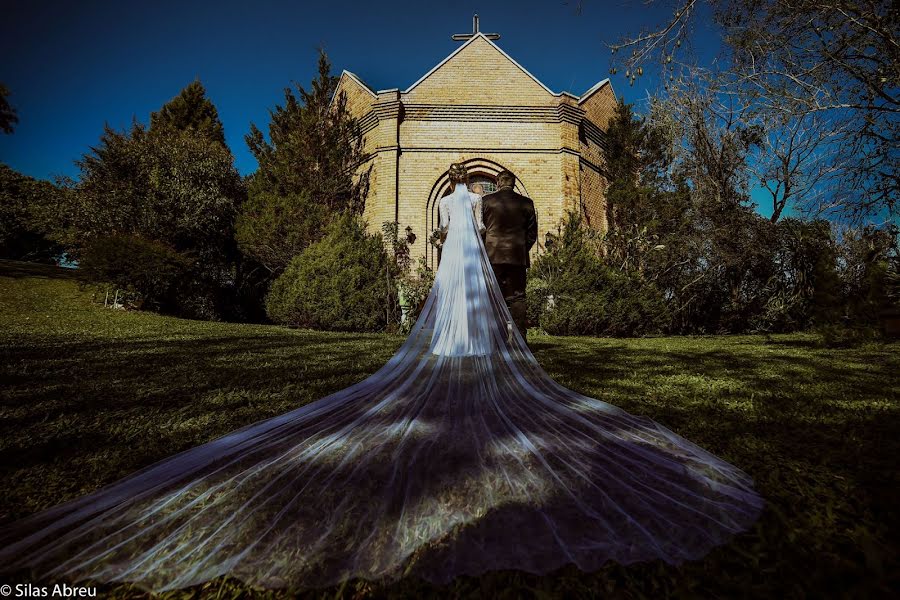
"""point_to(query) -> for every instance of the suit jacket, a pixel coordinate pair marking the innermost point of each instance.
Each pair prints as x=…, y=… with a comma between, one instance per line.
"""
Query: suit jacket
x=510, y=227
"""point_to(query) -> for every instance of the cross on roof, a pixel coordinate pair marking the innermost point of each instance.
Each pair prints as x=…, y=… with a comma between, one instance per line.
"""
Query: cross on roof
x=459, y=37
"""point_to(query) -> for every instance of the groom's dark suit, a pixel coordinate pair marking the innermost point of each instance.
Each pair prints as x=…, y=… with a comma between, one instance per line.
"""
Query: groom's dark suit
x=510, y=231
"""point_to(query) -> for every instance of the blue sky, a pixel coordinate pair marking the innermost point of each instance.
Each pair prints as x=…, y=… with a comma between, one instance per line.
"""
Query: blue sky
x=73, y=66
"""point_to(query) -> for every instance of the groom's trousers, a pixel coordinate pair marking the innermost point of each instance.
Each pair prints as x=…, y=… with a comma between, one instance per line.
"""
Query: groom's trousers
x=512, y=284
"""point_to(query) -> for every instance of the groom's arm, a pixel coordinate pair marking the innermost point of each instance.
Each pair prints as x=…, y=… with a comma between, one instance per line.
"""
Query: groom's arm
x=532, y=227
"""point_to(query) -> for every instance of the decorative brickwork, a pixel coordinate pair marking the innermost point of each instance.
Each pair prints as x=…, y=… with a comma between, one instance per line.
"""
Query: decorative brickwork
x=480, y=107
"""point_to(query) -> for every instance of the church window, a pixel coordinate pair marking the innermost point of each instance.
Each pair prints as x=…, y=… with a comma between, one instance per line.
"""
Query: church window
x=488, y=184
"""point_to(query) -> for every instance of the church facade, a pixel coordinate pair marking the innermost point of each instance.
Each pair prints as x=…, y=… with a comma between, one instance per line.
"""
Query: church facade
x=480, y=107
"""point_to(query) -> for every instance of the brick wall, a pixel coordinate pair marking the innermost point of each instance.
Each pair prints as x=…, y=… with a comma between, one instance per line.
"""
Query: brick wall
x=479, y=106
x=479, y=74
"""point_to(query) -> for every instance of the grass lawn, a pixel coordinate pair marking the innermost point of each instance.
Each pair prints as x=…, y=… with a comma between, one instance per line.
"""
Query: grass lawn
x=90, y=395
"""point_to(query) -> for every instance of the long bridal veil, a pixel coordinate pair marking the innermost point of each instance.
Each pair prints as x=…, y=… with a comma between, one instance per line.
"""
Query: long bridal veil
x=459, y=456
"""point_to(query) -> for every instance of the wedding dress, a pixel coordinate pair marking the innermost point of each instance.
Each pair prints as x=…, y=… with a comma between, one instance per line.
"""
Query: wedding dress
x=459, y=456
x=461, y=326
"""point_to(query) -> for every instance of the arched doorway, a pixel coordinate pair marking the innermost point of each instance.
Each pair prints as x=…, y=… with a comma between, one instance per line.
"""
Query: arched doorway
x=481, y=171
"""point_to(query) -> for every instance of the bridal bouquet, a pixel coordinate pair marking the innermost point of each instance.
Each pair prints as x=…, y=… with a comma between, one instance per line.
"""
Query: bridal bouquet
x=435, y=238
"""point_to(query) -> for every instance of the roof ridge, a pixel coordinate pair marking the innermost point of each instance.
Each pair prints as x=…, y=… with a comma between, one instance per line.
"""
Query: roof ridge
x=594, y=88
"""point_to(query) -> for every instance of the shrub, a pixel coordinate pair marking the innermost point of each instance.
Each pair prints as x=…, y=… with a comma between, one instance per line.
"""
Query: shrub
x=153, y=271
x=415, y=289
x=622, y=306
x=835, y=335
x=537, y=299
x=343, y=282
x=274, y=228
x=573, y=292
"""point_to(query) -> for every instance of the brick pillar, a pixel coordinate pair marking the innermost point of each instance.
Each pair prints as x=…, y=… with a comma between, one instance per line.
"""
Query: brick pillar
x=570, y=116
x=389, y=111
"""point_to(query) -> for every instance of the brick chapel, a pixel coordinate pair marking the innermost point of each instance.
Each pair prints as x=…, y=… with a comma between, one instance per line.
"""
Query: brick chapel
x=480, y=107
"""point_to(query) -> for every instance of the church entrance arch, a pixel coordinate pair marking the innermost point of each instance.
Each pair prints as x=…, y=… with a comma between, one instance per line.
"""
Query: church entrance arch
x=481, y=171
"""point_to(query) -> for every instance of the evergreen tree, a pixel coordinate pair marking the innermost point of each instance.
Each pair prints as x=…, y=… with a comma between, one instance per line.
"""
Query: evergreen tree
x=314, y=146
x=29, y=217
x=651, y=233
x=8, y=116
x=306, y=176
x=190, y=110
x=636, y=214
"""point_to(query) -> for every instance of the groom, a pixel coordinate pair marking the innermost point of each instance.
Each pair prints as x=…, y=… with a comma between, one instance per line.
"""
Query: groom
x=510, y=232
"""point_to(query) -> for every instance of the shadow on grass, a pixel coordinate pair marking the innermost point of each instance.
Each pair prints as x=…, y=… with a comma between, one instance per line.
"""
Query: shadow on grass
x=817, y=429
x=67, y=405
x=804, y=423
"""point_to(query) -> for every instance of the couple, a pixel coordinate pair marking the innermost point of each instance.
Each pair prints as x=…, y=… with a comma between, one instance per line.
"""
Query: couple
x=502, y=227
x=459, y=456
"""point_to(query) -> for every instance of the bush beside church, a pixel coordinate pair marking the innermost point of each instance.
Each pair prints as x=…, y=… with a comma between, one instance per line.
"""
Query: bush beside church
x=345, y=282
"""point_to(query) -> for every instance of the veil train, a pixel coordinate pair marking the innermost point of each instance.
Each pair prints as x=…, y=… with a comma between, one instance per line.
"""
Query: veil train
x=459, y=456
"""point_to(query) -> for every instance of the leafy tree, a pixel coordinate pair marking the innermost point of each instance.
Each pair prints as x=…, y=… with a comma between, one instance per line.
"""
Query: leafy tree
x=338, y=283
x=8, y=116
x=866, y=256
x=804, y=288
x=172, y=186
x=827, y=69
x=728, y=244
x=154, y=272
x=167, y=184
x=190, y=110
x=796, y=156
x=274, y=228
x=29, y=217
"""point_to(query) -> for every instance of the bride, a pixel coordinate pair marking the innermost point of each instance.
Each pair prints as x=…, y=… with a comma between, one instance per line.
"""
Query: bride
x=459, y=456
x=462, y=326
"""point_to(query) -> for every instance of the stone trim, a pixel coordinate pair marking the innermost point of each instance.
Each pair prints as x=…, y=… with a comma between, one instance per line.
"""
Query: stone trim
x=442, y=149
x=474, y=112
x=596, y=168
x=561, y=113
x=570, y=114
x=387, y=109
x=368, y=122
x=359, y=81
x=595, y=134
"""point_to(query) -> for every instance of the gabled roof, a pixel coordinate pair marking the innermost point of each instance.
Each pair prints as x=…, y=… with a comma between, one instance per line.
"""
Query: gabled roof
x=597, y=86
x=359, y=81
x=458, y=50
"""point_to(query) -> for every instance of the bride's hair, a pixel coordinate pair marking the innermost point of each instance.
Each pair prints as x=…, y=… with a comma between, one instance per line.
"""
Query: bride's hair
x=458, y=173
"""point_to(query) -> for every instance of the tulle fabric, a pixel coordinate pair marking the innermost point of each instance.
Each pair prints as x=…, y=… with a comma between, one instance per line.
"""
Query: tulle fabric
x=462, y=324
x=459, y=456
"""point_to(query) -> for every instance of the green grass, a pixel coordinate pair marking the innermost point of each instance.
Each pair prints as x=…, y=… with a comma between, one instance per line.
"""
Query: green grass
x=92, y=394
